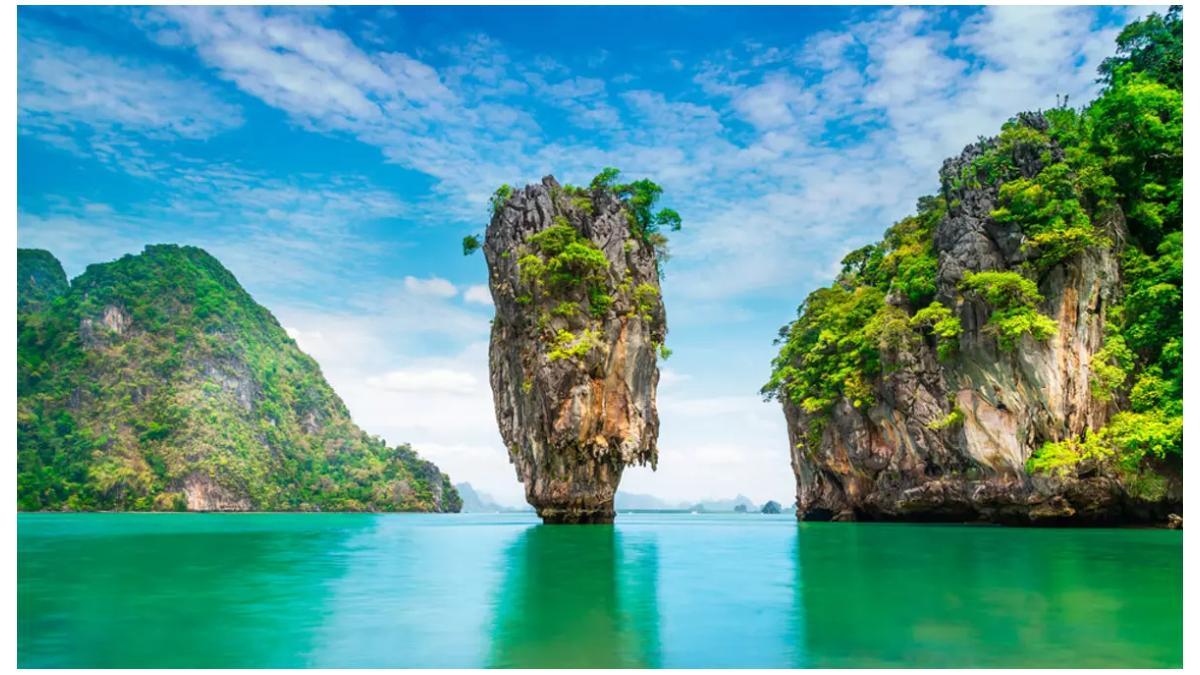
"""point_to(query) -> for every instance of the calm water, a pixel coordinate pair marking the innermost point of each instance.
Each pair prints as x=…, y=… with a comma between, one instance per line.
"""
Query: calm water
x=250, y=590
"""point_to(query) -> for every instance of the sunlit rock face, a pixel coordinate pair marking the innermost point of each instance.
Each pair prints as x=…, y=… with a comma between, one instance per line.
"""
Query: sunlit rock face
x=897, y=459
x=573, y=361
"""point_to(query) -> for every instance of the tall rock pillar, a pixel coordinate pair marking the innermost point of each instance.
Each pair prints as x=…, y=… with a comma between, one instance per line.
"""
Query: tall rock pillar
x=573, y=358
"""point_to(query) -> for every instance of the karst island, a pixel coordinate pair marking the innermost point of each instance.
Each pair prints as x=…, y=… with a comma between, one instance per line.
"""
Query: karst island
x=579, y=327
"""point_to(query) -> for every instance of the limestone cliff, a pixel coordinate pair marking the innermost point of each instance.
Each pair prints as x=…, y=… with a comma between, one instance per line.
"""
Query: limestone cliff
x=579, y=319
x=958, y=384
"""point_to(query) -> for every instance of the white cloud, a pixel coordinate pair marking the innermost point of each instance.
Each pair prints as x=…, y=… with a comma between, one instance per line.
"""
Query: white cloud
x=290, y=62
x=478, y=294
x=430, y=380
x=436, y=287
x=778, y=101
x=669, y=376
x=61, y=87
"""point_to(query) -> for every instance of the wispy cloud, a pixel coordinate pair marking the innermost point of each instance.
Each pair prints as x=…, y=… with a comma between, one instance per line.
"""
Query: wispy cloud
x=281, y=235
x=433, y=286
x=98, y=105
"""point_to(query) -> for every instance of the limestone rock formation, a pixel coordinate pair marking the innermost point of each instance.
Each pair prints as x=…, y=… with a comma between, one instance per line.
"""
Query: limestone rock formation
x=948, y=438
x=579, y=319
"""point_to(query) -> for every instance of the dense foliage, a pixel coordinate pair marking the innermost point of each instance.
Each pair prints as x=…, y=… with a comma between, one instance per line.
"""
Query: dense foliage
x=560, y=262
x=564, y=274
x=158, y=371
x=1014, y=300
x=841, y=339
x=1124, y=151
x=40, y=279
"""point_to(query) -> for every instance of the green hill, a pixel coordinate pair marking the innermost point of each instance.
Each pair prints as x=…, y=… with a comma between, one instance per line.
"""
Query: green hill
x=156, y=382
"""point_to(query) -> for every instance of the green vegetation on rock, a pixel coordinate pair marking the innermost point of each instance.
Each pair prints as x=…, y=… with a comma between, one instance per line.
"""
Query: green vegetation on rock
x=156, y=380
x=1014, y=300
x=1135, y=132
x=499, y=197
x=943, y=324
x=843, y=335
x=640, y=197
x=561, y=267
x=562, y=261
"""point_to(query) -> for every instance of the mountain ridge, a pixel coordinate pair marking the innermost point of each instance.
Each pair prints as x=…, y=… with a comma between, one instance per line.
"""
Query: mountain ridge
x=155, y=382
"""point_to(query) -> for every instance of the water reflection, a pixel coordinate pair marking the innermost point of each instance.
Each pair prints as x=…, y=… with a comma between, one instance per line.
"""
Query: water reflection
x=578, y=597
x=415, y=593
x=212, y=591
x=725, y=592
x=673, y=591
x=878, y=595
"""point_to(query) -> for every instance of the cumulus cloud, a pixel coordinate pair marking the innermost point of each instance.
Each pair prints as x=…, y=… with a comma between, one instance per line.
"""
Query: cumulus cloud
x=478, y=294
x=436, y=287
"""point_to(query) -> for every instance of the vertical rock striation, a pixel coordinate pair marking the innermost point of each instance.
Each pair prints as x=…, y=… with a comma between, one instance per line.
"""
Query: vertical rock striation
x=579, y=319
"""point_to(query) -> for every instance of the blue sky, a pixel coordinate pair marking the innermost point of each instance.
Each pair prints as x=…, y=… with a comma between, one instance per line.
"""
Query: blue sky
x=334, y=158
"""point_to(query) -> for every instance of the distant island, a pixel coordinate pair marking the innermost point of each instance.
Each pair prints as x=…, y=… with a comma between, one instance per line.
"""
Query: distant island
x=626, y=501
x=476, y=501
x=155, y=382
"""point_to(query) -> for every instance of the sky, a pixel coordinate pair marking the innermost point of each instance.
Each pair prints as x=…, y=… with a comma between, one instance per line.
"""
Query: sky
x=333, y=159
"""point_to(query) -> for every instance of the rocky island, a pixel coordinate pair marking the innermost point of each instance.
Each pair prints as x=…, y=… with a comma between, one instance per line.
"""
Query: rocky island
x=579, y=326
x=1013, y=351
x=155, y=382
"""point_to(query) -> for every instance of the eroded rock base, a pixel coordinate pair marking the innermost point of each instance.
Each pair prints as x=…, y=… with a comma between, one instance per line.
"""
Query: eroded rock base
x=1096, y=500
x=552, y=515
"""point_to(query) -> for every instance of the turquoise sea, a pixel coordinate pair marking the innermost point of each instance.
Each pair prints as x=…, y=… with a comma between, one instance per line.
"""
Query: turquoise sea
x=406, y=590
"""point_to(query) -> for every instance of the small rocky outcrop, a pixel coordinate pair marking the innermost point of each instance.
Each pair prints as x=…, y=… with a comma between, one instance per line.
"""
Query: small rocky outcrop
x=573, y=358
x=948, y=439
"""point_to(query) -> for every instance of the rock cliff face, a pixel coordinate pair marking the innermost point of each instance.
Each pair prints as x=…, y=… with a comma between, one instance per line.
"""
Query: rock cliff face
x=155, y=382
x=579, y=318
x=949, y=438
